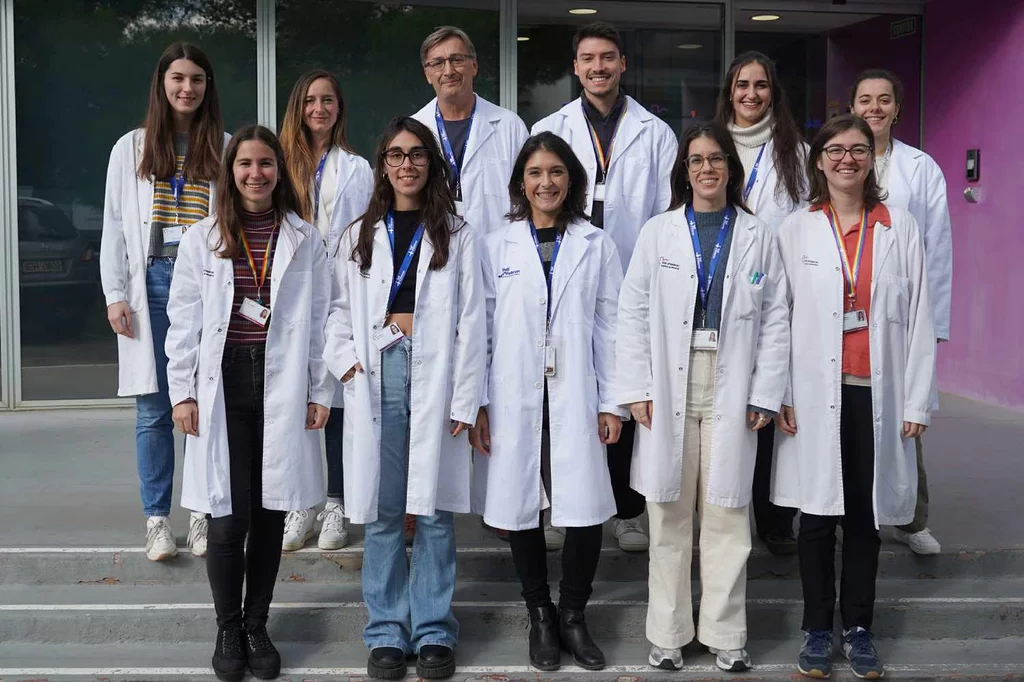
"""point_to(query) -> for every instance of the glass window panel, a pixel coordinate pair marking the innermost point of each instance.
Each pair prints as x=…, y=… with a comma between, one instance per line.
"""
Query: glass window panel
x=373, y=48
x=673, y=56
x=82, y=72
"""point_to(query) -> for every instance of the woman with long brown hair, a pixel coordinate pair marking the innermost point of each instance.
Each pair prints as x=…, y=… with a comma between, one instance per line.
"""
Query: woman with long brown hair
x=406, y=336
x=249, y=385
x=159, y=182
x=333, y=186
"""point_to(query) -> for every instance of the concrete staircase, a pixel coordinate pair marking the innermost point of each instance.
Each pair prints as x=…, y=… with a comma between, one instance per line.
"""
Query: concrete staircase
x=107, y=613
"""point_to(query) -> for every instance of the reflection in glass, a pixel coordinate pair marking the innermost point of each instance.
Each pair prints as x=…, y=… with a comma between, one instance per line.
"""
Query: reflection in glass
x=82, y=73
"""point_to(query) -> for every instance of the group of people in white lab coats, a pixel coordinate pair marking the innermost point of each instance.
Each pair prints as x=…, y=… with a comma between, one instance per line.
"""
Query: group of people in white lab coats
x=550, y=331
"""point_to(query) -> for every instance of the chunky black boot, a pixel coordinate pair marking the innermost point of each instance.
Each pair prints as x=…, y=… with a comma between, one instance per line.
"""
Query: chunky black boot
x=435, y=662
x=264, y=660
x=545, y=652
x=229, y=657
x=575, y=640
x=386, y=663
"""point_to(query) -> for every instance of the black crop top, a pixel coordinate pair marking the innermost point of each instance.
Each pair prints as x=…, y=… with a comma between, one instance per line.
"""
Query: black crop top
x=406, y=223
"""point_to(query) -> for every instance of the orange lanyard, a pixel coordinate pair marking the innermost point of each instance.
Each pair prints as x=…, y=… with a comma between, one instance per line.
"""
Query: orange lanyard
x=262, y=277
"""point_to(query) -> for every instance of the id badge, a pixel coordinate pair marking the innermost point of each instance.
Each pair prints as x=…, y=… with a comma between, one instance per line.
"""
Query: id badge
x=854, y=320
x=172, y=235
x=254, y=312
x=705, y=339
x=460, y=207
x=599, y=192
x=550, y=366
x=387, y=336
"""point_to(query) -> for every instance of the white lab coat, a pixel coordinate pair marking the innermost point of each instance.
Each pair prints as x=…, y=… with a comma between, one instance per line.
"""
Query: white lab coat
x=352, y=190
x=124, y=254
x=916, y=183
x=507, y=488
x=202, y=293
x=808, y=470
x=638, y=183
x=768, y=199
x=494, y=142
x=656, y=307
x=449, y=349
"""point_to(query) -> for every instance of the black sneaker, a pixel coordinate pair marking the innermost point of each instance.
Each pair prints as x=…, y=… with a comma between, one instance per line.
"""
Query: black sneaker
x=435, y=662
x=229, y=656
x=387, y=663
x=264, y=660
x=780, y=543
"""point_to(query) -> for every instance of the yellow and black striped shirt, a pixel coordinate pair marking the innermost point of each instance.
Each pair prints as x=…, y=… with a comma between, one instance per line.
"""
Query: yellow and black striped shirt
x=193, y=206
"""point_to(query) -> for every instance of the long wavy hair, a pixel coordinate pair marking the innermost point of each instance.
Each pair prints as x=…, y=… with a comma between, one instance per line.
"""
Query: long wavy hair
x=682, y=190
x=438, y=202
x=575, y=205
x=205, y=134
x=297, y=141
x=229, y=199
x=786, y=137
x=819, y=194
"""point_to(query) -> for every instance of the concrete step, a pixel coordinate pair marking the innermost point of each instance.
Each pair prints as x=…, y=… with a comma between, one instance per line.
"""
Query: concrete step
x=490, y=611
x=506, y=661
x=118, y=565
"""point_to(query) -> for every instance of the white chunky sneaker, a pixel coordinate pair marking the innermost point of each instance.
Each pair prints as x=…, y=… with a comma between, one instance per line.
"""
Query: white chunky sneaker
x=334, y=527
x=160, y=544
x=922, y=542
x=631, y=535
x=198, y=527
x=554, y=537
x=298, y=527
x=731, y=660
x=665, y=659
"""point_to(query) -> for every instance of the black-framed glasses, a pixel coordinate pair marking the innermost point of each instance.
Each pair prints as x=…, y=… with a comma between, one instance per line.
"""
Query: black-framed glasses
x=718, y=161
x=838, y=152
x=458, y=60
x=396, y=157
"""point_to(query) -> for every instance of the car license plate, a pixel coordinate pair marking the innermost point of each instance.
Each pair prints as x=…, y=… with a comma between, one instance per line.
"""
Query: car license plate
x=42, y=266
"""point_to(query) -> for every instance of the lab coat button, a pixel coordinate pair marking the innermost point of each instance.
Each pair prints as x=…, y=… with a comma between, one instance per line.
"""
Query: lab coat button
x=831, y=407
x=537, y=385
x=680, y=369
x=373, y=373
x=835, y=314
x=678, y=414
x=540, y=344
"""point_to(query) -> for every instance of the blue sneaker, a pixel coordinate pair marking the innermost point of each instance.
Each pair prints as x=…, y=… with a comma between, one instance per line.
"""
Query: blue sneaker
x=857, y=647
x=816, y=655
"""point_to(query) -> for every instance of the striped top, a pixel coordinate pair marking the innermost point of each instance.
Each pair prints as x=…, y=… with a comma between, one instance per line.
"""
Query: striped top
x=193, y=206
x=258, y=227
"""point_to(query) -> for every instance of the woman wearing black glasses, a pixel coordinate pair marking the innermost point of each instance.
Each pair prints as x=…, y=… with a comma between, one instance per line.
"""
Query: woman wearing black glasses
x=406, y=336
x=862, y=369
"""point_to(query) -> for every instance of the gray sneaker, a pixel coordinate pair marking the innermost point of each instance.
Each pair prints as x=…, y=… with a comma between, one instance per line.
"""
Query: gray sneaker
x=665, y=659
x=631, y=535
x=731, y=660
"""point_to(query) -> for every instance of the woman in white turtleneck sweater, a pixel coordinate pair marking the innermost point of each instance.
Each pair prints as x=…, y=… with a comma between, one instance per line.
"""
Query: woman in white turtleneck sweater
x=753, y=106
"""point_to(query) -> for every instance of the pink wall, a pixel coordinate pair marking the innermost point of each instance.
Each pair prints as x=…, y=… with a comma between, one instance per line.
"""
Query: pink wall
x=973, y=99
x=867, y=45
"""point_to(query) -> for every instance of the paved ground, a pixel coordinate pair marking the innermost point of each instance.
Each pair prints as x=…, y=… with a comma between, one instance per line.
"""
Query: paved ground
x=68, y=479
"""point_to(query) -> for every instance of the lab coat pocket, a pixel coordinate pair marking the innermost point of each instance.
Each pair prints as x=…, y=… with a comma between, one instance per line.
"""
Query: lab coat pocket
x=748, y=298
x=897, y=299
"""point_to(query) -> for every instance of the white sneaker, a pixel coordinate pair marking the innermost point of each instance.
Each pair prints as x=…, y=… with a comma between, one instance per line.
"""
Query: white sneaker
x=554, y=537
x=921, y=542
x=665, y=659
x=334, y=528
x=631, y=535
x=198, y=527
x=298, y=527
x=160, y=544
x=731, y=660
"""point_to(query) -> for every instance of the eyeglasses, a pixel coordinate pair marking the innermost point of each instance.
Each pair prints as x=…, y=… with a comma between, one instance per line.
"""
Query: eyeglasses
x=458, y=60
x=717, y=160
x=837, y=152
x=396, y=157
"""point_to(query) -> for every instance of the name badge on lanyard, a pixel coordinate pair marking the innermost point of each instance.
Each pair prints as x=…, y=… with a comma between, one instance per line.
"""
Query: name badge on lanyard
x=254, y=310
x=449, y=153
x=390, y=334
x=550, y=354
x=706, y=339
x=317, y=179
x=604, y=158
x=853, y=318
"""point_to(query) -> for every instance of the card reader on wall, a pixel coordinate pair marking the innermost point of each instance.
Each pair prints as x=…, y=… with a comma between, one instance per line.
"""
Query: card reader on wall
x=973, y=164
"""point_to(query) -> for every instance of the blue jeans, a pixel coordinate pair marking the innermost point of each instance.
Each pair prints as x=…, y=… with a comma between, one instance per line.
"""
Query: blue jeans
x=410, y=603
x=333, y=434
x=154, y=430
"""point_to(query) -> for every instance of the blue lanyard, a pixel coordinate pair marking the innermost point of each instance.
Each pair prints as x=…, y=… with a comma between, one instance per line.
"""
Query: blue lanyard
x=704, y=283
x=316, y=184
x=446, y=146
x=403, y=269
x=177, y=187
x=554, y=257
x=753, y=173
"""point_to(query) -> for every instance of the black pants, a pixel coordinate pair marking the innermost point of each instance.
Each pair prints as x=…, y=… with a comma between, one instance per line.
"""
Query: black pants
x=629, y=504
x=229, y=560
x=861, y=542
x=579, y=565
x=768, y=518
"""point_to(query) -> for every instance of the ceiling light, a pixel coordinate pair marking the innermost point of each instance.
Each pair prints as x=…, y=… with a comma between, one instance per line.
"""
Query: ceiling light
x=523, y=39
x=583, y=10
x=690, y=46
x=765, y=17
